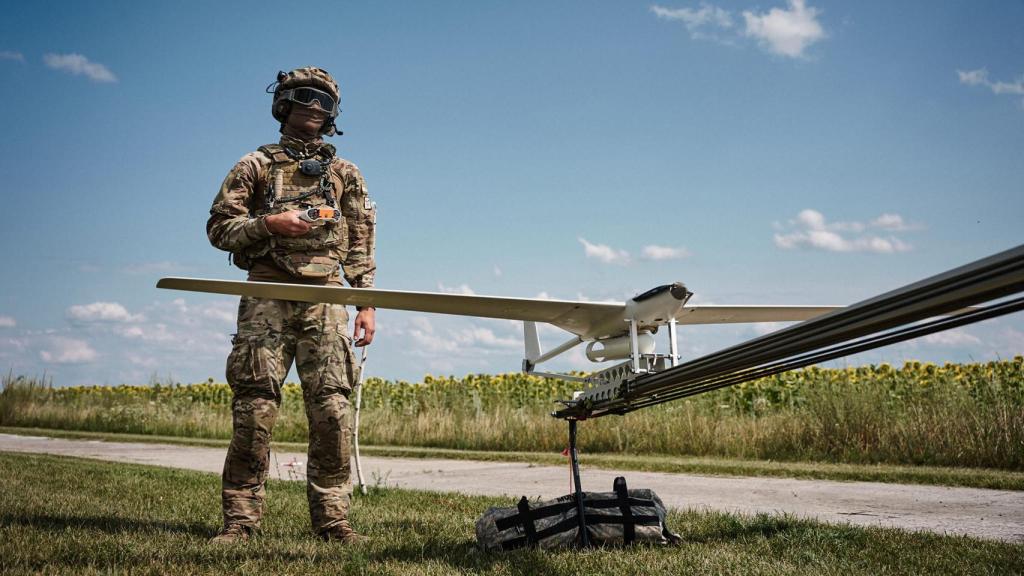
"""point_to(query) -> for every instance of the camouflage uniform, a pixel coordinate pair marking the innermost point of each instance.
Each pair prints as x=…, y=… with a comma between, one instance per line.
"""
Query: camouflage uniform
x=273, y=333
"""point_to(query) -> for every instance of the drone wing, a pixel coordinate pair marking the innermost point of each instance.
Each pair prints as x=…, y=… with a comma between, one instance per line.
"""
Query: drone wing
x=711, y=314
x=587, y=320
x=575, y=317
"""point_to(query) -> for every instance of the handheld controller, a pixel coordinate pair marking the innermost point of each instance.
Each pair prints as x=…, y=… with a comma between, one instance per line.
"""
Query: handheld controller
x=320, y=215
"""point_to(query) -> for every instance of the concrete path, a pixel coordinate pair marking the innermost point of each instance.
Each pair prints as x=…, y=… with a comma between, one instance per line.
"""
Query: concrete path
x=993, y=514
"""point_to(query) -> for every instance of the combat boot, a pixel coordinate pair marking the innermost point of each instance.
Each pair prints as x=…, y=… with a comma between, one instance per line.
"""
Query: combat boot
x=343, y=532
x=232, y=533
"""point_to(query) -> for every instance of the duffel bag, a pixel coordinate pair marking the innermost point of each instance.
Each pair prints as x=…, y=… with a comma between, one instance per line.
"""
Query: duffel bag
x=616, y=518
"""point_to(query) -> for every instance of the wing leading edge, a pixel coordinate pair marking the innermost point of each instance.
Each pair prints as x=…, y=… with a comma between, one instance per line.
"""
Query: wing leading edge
x=575, y=317
x=714, y=314
x=580, y=318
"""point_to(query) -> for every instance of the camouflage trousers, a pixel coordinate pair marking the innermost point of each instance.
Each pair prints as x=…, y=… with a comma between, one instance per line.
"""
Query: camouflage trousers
x=271, y=334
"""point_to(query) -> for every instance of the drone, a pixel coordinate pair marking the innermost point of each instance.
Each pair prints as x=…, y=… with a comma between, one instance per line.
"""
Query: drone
x=611, y=331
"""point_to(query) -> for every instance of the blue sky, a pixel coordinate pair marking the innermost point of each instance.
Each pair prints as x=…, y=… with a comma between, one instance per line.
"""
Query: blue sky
x=764, y=152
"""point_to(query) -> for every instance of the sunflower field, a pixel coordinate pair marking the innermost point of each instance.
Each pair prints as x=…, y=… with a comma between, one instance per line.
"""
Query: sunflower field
x=920, y=413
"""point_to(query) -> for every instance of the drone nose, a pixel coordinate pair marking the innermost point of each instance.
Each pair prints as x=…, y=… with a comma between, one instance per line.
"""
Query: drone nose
x=679, y=291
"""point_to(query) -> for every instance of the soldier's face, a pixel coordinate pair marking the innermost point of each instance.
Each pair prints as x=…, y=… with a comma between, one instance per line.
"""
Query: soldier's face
x=306, y=119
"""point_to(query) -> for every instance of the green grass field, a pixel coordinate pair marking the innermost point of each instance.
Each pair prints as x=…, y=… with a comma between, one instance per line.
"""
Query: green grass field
x=72, y=516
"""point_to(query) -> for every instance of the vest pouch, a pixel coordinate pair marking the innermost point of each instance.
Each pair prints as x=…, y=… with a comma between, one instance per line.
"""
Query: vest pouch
x=314, y=255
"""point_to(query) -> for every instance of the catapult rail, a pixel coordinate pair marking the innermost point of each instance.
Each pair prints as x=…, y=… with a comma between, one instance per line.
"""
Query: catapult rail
x=909, y=312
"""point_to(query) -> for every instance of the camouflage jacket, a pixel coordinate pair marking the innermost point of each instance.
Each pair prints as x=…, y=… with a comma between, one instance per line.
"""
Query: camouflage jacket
x=237, y=225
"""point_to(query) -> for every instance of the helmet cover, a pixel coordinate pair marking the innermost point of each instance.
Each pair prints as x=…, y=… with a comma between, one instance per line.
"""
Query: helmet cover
x=307, y=76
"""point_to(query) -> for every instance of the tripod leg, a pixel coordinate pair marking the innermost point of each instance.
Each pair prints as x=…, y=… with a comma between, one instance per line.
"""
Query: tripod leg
x=574, y=458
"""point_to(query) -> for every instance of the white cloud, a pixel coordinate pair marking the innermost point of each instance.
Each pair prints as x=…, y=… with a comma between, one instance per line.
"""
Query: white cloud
x=786, y=32
x=16, y=345
x=62, y=350
x=464, y=339
x=704, y=23
x=476, y=336
x=102, y=312
x=979, y=77
x=7, y=322
x=973, y=77
x=460, y=289
x=655, y=252
x=143, y=361
x=892, y=223
x=604, y=253
x=79, y=65
x=11, y=55
x=811, y=230
x=158, y=332
x=952, y=338
x=224, y=313
x=762, y=328
x=497, y=271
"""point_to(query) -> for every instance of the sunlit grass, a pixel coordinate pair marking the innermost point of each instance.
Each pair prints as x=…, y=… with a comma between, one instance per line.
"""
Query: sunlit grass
x=70, y=516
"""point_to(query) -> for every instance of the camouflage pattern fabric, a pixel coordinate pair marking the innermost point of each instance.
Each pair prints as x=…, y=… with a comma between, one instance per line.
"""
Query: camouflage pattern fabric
x=559, y=520
x=237, y=225
x=271, y=334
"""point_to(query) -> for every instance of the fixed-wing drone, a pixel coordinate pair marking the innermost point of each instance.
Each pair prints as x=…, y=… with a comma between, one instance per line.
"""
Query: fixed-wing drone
x=611, y=331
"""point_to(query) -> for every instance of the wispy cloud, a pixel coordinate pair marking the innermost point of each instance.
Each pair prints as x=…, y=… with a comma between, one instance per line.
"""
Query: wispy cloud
x=705, y=23
x=464, y=339
x=655, y=252
x=604, y=253
x=102, y=312
x=784, y=31
x=79, y=65
x=979, y=77
x=811, y=230
x=61, y=350
x=952, y=338
x=7, y=322
x=460, y=289
x=11, y=55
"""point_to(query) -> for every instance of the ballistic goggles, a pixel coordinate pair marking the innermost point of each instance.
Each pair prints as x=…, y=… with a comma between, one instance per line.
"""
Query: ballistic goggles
x=307, y=96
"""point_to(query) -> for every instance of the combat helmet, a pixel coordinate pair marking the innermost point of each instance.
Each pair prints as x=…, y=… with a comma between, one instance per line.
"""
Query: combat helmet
x=306, y=85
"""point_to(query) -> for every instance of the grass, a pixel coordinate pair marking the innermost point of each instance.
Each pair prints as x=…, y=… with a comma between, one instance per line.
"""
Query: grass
x=927, y=475
x=71, y=516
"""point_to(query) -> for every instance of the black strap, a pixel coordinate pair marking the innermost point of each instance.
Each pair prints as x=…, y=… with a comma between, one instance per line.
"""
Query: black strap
x=527, y=520
x=535, y=514
x=559, y=507
x=615, y=503
x=628, y=527
x=570, y=523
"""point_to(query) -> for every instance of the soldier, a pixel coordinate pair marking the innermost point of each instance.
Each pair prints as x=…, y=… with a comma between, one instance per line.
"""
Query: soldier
x=257, y=216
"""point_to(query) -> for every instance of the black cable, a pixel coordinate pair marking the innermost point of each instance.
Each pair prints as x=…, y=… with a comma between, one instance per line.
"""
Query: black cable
x=692, y=388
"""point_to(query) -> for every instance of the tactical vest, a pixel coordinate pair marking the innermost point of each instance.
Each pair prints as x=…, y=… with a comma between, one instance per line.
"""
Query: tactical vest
x=318, y=253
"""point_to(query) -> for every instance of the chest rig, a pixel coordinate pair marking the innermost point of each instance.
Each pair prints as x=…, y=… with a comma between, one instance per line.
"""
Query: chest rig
x=297, y=181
